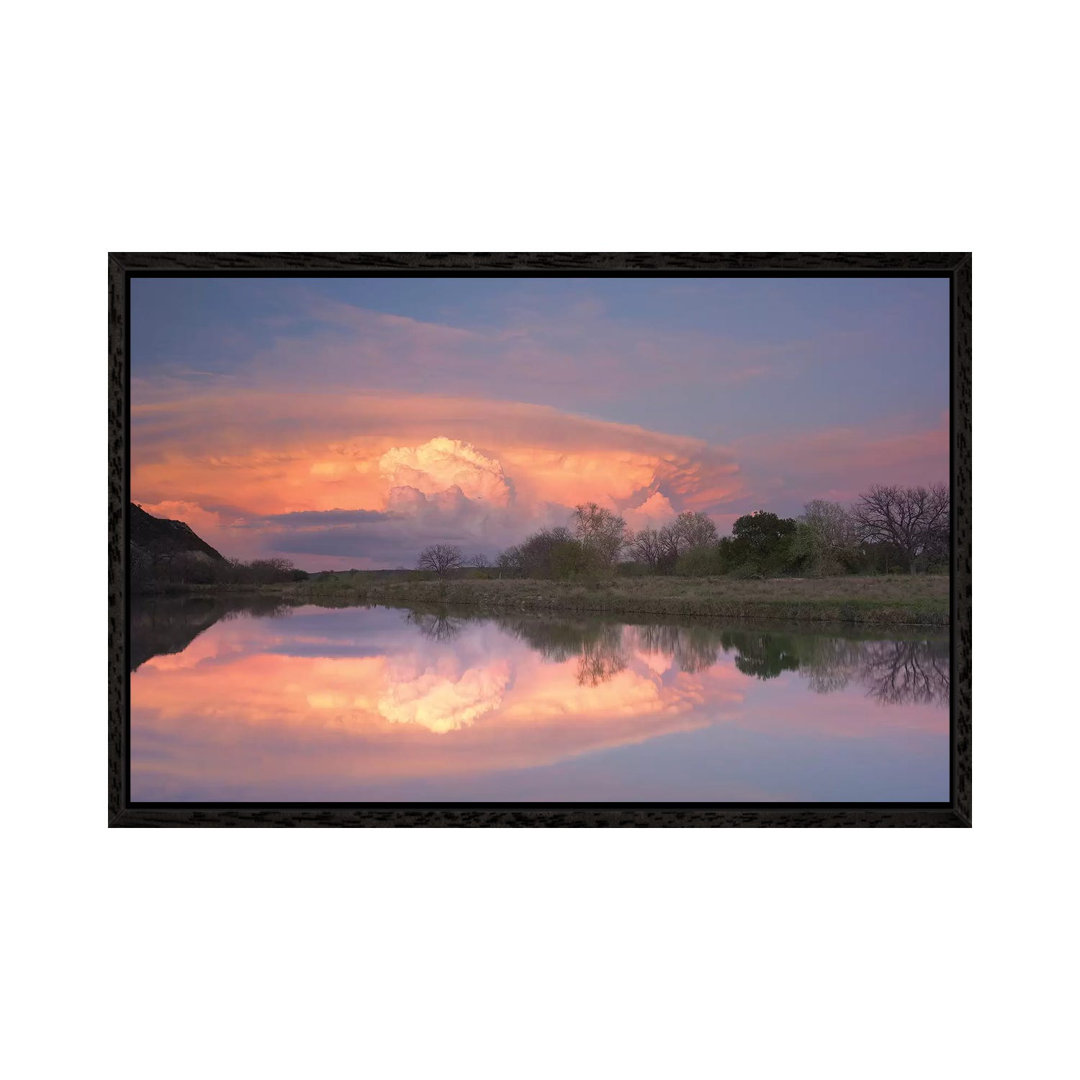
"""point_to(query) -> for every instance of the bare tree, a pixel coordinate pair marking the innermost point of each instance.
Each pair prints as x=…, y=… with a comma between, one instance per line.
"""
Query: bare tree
x=831, y=539
x=694, y=648
x=648, y=547
x=914, y=519
x=601, y=531
x=602, y=657
x=692, y=529
x=479, y=562
x=907, y=671
x=441, y=558
x=832, y=522
x=436, y=625
x=669, y=545
x=509, y=562
x=662, y=547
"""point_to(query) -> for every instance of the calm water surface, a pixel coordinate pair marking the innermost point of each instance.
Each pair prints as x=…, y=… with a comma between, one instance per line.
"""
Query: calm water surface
x=377, y=704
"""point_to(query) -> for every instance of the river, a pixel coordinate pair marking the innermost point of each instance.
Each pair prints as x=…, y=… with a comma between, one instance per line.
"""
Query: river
x=362, y=704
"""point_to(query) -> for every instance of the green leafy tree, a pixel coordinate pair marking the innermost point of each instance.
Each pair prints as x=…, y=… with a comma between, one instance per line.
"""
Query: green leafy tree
x=761, y=543
x=549, y=553
x=763, y=532
x=762, y=655
x=702, y=561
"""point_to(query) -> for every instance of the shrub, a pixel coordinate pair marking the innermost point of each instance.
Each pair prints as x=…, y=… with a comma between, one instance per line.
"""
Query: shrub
x=702, y=561
x=747, y=570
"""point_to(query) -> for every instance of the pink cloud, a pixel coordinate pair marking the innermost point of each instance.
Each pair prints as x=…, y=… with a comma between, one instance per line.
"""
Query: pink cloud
x=838, y=463
x=550, y=352
x=237, y=712
x=417, y=469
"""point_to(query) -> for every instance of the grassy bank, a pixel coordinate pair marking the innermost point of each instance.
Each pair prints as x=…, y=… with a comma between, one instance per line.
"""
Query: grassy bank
x=896, y=599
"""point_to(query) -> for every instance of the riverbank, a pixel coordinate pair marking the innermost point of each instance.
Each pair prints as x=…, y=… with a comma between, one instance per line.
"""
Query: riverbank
x=894, y=600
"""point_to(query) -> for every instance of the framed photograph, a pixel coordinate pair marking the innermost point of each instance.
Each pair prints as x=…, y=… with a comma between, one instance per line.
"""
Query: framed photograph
x=660, y=540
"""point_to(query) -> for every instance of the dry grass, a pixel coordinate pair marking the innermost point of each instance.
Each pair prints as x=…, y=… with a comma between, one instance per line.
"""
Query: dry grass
x=923, y=599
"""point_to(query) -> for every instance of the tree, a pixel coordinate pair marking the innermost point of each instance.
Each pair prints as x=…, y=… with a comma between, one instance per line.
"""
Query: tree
x=692, y=530
x=440, y=558
x=701, y=561
x=601, y=531
x=832, y=522
x=760, y=544
x=509, y=562
x=536, y=553
x=914, y=519
x=662, y=548
x=762, y=532
x=549, y=553
x=572, y=559
x=826, y=541
x=648, y=547
x=668, y=540
x=263, y=571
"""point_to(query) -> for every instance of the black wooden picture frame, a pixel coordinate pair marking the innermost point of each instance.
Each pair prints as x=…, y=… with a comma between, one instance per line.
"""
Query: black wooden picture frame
x=955, y=813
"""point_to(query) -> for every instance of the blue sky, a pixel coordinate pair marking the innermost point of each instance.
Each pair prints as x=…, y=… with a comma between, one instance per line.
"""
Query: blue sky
x=804, y=388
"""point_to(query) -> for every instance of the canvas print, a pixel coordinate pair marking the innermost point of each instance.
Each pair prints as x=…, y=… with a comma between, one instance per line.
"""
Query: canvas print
x=509, y=540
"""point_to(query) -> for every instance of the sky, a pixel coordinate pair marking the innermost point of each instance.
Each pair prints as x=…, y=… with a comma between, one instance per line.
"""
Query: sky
x=349, y=423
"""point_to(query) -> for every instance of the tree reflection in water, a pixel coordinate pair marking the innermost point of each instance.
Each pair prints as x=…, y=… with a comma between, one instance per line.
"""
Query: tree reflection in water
x=892, y=671
x=762, y=655
x=597, y=644
x=694, y=648
x=831, y=663
x=602, y=657
x=898, y=672
x=437, y=625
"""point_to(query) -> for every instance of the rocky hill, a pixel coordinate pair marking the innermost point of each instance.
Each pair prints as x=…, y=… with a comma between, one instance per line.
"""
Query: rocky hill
x=154, y=539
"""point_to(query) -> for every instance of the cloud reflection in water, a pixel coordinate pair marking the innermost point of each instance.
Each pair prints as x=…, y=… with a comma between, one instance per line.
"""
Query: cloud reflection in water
x=377, y=705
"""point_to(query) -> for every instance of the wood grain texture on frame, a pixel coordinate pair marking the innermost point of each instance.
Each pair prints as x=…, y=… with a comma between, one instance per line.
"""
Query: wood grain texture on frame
x=955, y=266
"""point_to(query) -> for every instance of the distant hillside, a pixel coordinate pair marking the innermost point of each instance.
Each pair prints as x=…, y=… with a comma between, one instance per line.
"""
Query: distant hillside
x=155, y=538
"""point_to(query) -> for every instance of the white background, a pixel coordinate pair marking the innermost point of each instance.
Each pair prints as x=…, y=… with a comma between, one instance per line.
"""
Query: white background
x=556, y=126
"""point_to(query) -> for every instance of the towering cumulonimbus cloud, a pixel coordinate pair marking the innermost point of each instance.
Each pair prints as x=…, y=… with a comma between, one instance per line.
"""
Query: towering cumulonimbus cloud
x=441, y=464
x=372, y=479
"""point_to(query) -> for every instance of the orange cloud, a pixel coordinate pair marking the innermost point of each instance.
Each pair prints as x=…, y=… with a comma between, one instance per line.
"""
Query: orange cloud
x=441, y=464
x=656, y=510
x=232, y=713
x=442, y=700
x=377, y=718
x=457, y=468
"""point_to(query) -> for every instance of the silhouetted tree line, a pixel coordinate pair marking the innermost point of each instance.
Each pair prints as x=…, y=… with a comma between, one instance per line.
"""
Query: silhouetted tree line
x=154, y=570
x=888, y=529
x=589, y=547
